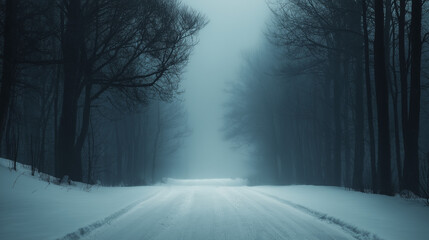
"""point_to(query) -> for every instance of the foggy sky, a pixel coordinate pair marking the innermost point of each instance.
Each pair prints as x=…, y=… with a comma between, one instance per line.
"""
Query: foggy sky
x=235, y=26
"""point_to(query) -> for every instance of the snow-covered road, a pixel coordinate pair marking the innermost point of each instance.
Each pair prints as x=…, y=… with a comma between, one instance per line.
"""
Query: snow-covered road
x=208, y=212
x=31, y=208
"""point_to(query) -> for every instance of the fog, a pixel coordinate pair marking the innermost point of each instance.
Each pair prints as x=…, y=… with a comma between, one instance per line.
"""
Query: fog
x=214, y=119
x=275, y=92
x=234, y=28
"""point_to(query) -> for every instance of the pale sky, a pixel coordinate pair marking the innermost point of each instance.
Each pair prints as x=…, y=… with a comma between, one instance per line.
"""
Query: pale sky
x=235, y=26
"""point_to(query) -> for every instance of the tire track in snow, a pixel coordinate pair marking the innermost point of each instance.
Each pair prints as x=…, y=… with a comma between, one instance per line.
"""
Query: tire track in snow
x=184, y=202
x=156, y=218
x=255, y=225
x=248, y=228
x=356, y=232
x=279, y=221
x=84, y=231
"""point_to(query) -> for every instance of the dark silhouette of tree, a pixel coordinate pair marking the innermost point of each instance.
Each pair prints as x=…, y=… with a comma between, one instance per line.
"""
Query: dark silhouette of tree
x=384, y=171
x=315, y=85
x=133, y=45
x=67, y=61
x=10, y=54
x=411, y=163
x=368, y=88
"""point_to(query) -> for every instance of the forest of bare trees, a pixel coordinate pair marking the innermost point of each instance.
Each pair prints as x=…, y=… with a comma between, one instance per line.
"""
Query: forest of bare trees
x=85, y=86
x=338, y=95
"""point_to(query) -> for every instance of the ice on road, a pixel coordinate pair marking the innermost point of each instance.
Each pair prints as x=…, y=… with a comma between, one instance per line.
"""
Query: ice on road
x=208, y=212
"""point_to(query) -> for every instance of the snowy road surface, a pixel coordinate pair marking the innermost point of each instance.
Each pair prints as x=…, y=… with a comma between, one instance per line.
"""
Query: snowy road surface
x=207, y=212
x=31, y=208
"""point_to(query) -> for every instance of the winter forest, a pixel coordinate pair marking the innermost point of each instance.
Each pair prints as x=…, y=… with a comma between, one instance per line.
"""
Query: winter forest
x=338, y=96
x=203, y=119
x=84, y=85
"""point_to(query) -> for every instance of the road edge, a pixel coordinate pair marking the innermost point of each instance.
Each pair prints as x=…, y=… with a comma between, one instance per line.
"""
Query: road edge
x=86, y=230
x=356, y=232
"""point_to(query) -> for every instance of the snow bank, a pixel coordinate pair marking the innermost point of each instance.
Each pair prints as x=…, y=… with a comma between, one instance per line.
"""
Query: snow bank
x=31, y=208
x=387, y=217
x=206, y=182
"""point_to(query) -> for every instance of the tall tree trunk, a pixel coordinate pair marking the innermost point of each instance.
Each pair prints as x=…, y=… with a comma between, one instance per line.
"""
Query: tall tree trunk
x=411, y=163
x=384, y=169
x=128, y=139
x=346, y=133
x=336, y=176
x=128, y=150
x=86, y=117
x=119, y=154
x=57, y=162
x=389, y=42
x=370, y=116
x=359, y=139
x=10, y=52
x=138, y=150
x=359, y=127
x=403, y=70
x=394, y=94
x=328, y=134
x=91, y=160
x=155, y=147
x=71, y=46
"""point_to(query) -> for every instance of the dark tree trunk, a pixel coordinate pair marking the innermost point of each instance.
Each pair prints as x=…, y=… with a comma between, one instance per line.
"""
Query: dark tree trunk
x=47, y=107
x=10, y=52
x=403, y=71
x=336, y=176
x=397, y=143
x=411, y=163
x=138, y=151
x=370, y=116
x=300, y=158
x=359, y=127
x=86, y=117
x=384, y=169
x=328, y=135
x=119, y=154
x=346, y=133
x=389, y=44
x=359, y=139
x=299, y=162
x=57, y=162
x=129, y=150
x=41, y=163
x=71, y=45
x=91, y=160
x=394, y=95
x=155, y=147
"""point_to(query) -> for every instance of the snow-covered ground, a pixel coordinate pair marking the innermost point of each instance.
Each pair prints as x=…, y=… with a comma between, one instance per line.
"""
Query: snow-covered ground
x=386, y=217
x=206, y=182
x=200, y=209
x=34, y=209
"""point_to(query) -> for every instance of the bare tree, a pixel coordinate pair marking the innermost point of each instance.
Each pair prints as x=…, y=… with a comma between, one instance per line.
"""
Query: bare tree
x=133, y=45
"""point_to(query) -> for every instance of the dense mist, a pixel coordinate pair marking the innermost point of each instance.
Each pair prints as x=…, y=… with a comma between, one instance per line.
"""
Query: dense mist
x=315, y=108
x=214, y=119
x=275, y=92
x=216, y=64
